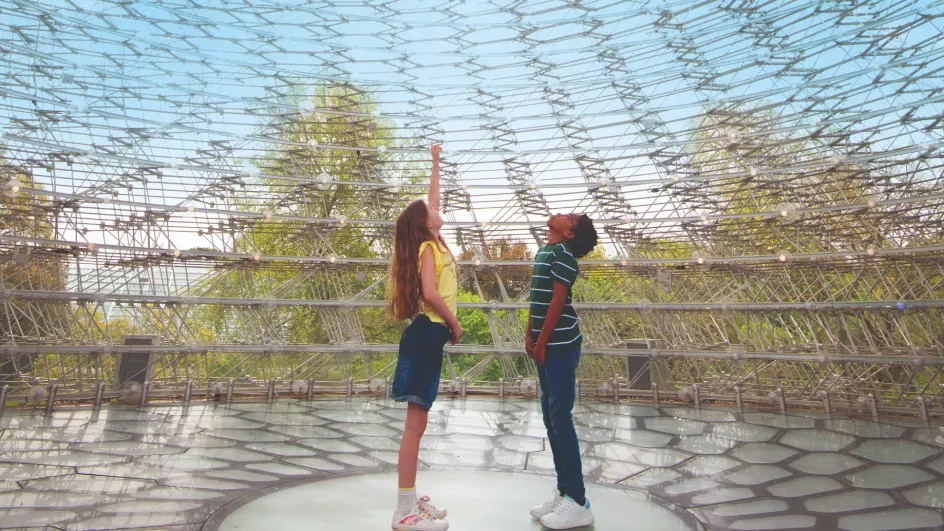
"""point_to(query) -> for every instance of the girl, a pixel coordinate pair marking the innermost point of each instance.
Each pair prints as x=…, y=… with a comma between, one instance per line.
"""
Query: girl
x=423, y=287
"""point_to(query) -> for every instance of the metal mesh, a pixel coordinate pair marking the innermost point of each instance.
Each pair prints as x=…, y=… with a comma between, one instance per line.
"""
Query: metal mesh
x=766, y=178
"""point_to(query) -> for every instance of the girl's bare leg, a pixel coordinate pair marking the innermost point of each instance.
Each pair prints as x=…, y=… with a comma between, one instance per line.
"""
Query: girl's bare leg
x=410, y=445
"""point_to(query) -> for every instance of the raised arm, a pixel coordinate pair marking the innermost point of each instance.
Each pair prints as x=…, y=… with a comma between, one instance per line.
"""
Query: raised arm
x=433, y=199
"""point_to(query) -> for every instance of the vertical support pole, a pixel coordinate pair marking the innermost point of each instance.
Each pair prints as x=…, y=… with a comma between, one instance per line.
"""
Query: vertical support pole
x=229, y=390
x=737, y=398
x=99, y=395
x=577, y=390
x=4, y=391
x=51, y=399
x=873, y=404
x=349, y=392
x=655, y=394
x=696, y=392
x=270, y=390
x=616, y=393
x=462, y=388
x=311, y=388
x=144, y=393
x=781, y=403
x=501, y=388
x=188, y=392
x=922, y=408
x=827, y=404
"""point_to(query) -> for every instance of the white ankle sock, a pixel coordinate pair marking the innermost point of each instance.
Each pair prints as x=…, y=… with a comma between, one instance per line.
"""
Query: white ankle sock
x=406, y=499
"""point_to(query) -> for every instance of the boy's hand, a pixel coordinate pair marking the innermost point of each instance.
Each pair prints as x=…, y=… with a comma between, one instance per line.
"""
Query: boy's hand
x=540, y=352
x=436, y=149
x=528, y=344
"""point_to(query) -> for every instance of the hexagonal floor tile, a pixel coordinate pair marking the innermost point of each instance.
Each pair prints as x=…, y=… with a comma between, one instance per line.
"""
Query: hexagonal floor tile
x=762, y=453
x=817, y=440
x=708, y=465
x=658, y=457
x=857, y=500
x=888, y=477
x=723, y=496
x=866, y=428
x=707, y=415
x=927, y=496
x=796, y=488
x=757, y=474
x=779, y=421
x=825, y=464
x=705, y=444
x=742, y=431
x=792, y=521
x=765, y=506
x=894, y=451
x=675, y=426
x=892, y=520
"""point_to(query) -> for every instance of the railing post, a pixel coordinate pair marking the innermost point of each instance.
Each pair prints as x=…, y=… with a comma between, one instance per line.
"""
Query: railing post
x=922, y=408
x=99, y=395
x=655, y=394
x=781, y=402
x=230, y=385
x=4, y=391
x=873, y=404
x=501, y=388
x=696, y=394
x=311, y=389
x=349, y=391
x=827, y=404
x=270, y=391
x=51, y=400
x=188, y=391
x=738, y=401
x=616, y=393
x=144, y=393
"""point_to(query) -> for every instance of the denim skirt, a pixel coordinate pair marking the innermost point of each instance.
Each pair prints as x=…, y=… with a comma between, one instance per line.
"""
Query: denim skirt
x=419, y=363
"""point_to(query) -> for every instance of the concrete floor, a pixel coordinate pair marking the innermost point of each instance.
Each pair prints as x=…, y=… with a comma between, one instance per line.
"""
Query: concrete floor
x=170, y=467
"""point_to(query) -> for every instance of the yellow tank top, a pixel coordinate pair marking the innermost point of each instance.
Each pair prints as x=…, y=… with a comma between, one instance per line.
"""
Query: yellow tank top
x=446, y=282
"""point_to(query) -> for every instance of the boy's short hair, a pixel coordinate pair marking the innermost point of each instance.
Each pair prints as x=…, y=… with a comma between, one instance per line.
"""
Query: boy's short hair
x=585, y=237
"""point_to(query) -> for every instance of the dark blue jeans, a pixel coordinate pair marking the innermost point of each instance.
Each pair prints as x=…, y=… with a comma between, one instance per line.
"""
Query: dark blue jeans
x=558, y=379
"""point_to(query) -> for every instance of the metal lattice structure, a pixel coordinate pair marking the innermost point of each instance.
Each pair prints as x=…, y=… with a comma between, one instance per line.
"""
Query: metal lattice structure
x=766, y=178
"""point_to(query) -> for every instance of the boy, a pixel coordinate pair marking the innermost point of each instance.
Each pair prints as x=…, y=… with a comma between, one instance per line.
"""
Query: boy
x=553, y=341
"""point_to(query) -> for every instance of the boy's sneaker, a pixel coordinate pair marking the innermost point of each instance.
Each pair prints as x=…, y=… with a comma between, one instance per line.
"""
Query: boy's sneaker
x=540, y=511
x=424, y=503
x=417, y=519
x=568, y=515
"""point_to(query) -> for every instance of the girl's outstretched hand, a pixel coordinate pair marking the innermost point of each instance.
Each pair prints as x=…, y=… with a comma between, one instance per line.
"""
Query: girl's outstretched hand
x=435, y=148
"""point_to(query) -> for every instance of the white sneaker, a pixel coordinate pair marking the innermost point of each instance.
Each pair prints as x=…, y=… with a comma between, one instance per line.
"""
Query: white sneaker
x=540, y=511
x=424, y=503
x=568, y=515
x=417, y=519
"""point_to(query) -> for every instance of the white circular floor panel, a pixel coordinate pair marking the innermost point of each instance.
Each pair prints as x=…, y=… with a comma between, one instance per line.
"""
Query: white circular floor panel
x=476, y=501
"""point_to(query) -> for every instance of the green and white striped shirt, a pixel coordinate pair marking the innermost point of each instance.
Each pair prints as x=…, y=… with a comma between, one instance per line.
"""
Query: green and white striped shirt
x=554, y=263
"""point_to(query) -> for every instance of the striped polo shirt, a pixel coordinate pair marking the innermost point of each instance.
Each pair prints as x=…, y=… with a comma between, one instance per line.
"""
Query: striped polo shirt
x=554, y=263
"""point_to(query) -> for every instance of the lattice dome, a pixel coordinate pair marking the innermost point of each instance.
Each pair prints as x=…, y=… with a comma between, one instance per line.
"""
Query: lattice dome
x=215, y=183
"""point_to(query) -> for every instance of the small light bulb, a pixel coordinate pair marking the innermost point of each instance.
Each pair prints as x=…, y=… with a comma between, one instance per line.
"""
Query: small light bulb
x=478, y=262
x=628, y=220
x=15, y=189
x=783, y=258
x=624, y=262
x=332, y=259
x=312, y=143
x=90, y=247
x=754, y=172
x=267, y=215
x=176, y=252
x=324, y=178
x=342, y=220
x=256, y=257
x=704, y=217
x=871, y=203
x=784, y=213
x=191, y=209
x=382, y=149
x=701, y=260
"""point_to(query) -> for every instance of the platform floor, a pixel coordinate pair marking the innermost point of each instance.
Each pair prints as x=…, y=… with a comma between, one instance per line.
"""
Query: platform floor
x=177, y=468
